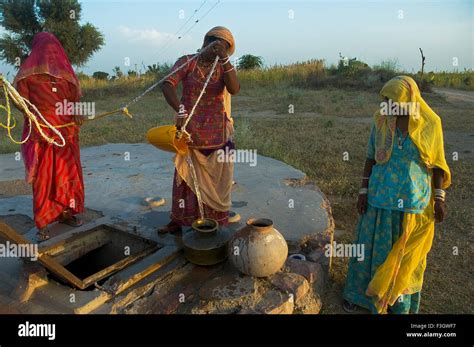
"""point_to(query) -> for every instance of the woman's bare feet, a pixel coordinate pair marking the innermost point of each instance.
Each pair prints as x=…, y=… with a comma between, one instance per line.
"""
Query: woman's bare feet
x=171, y=227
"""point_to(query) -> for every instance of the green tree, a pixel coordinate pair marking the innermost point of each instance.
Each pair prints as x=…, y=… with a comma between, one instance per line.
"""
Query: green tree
x=249, y=61
x=25, y=18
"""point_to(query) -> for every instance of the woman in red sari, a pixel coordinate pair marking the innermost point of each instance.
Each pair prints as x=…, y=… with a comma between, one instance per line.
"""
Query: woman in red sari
x=211, y=129
x=46, y=78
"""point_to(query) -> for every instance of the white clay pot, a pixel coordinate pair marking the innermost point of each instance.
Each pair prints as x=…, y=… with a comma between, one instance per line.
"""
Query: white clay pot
x=258, y=249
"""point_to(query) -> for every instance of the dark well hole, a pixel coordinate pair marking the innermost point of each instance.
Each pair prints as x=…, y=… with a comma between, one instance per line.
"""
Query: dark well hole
x=92, y=251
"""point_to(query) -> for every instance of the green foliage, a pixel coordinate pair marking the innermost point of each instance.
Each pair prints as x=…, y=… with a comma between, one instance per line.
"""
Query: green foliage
x=459, y=80
x=249, y=62
x=117, y=72
x=389, y=65
x=158, y=70
x=23, y=19
x=351, y=67
x=100, y=75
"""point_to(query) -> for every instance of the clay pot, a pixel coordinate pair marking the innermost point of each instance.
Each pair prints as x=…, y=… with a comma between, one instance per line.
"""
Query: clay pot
x=206, y=243
x=258, y=249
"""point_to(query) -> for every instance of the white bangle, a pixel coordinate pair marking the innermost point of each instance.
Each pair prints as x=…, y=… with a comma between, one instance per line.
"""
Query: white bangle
x=363, y=191
x=226, y=61
x=229, y=70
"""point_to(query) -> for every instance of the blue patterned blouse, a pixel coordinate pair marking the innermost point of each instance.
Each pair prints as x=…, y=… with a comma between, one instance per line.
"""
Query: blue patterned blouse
x=403, y=183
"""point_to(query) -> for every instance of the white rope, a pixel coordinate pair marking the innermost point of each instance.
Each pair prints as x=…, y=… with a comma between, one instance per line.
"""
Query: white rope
x=196, y=186
x=183, y=128
x=25, y=105
x=154, y=85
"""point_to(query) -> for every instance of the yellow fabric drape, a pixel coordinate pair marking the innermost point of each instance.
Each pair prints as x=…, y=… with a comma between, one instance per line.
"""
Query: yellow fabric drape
x=402, y=272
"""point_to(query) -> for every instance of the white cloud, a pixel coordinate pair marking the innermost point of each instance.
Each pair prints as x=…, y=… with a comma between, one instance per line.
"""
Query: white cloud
x=148, y=36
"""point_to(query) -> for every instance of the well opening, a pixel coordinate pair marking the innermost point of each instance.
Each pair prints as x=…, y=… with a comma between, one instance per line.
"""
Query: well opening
x=93, y=256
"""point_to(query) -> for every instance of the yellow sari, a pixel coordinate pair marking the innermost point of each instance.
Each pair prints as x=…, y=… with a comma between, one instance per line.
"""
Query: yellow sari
x=402, y=272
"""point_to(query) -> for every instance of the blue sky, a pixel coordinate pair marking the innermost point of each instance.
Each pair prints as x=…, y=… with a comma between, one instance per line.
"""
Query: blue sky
x=373, y=31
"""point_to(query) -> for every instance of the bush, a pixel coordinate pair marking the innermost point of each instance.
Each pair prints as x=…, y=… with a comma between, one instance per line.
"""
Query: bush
x=249, y=62
x=100, y=75
x=351, y=67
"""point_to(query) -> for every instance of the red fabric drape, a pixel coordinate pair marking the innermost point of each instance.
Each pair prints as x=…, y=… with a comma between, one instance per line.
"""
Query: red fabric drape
x=46, y=78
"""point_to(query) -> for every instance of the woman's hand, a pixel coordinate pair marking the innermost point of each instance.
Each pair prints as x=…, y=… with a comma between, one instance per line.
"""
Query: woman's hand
x=79, y=120
x=180, y=123
x=439, y=211
x=180, y=118
x=220, y=49
x=362, y=203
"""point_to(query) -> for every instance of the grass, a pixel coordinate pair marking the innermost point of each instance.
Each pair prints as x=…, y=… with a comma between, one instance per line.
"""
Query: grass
x=458, y=80
x=326, y=123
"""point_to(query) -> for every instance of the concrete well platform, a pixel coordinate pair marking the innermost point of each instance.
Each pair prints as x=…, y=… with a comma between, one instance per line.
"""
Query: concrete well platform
x=118, y=177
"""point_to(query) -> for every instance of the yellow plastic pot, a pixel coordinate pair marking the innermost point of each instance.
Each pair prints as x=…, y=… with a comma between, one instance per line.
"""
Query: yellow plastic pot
x=164, y=138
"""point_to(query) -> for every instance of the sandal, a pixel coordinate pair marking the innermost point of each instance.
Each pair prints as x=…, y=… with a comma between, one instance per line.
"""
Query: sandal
x=234, y=217
x=42, y=235
x=349, y=307
x=70, y=220
x=171, y=227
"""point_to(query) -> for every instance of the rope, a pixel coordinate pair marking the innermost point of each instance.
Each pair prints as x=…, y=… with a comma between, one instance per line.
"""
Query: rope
x=183, y=128
x=154, y=85
x=183, y=131
x=196, y=186
x=26, y=107
x=122, y=110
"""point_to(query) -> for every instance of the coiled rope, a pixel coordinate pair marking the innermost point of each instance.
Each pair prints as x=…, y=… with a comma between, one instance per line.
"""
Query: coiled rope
x=31, y=112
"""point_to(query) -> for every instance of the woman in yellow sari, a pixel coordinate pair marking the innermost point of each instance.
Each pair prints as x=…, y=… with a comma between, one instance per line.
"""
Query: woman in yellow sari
x=401, y=197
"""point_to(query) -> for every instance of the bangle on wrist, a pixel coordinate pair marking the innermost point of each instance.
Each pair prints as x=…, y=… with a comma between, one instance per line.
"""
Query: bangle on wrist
x=232, y=68
x=225, y=61
x=440, y=195
x=182, y=114
x=363, y=191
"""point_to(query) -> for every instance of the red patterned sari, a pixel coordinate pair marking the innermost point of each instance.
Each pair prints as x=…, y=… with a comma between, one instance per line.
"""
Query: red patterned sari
x=211, y=129
x=45, y=79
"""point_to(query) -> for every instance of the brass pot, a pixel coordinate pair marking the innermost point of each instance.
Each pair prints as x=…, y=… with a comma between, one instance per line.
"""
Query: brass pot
x=205, y=243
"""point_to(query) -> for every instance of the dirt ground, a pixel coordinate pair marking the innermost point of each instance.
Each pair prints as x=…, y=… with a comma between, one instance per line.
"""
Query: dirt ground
x=327, y=123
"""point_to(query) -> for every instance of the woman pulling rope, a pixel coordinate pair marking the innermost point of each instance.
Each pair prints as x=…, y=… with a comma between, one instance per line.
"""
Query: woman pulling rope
x=211, y=129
